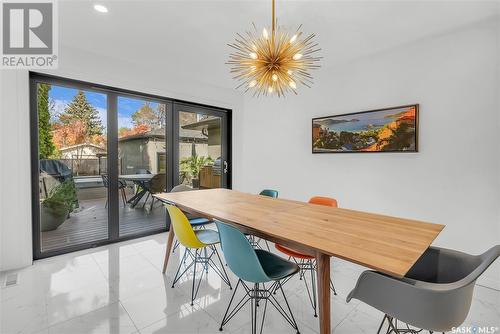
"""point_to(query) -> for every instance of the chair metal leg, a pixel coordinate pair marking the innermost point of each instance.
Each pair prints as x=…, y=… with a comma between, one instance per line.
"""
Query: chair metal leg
x=313, y=284
x=194, y=276
x=393, y=327
x=258, y=293
x=205, y=259
x=332, y=287
x=176, y=245
x=146, y=200
x=381, y=324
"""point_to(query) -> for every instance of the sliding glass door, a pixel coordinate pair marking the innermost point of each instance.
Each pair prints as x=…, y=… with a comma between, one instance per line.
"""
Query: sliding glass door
x=99, y=154
x=72, y=137
x=202, y=147
x=142, y=164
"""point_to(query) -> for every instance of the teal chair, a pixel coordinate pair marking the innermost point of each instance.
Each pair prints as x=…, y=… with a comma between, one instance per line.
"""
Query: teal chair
x=259, y=268
x=255, y=241
x=269, y=193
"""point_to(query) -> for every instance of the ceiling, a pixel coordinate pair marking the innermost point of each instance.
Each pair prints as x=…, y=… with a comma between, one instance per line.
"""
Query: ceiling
x=190, y=37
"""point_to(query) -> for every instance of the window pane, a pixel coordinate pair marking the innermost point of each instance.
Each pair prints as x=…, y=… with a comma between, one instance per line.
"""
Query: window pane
x=72, y=159
x=200, y=163
x=141, y=164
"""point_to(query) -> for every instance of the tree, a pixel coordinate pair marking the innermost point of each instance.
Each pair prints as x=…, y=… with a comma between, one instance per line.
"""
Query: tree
x=46, y=146
x=137, y=129
x=81, y=110
x=145, y=116
x=71, y=134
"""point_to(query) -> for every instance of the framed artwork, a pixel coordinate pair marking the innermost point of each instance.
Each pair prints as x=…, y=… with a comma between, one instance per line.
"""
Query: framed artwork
x=382, y=130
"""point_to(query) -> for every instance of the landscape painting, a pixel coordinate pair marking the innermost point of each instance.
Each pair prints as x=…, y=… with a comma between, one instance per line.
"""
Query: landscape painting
x=383, y=130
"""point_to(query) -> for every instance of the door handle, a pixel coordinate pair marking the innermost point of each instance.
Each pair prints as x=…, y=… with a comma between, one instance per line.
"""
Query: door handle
x=225, y=167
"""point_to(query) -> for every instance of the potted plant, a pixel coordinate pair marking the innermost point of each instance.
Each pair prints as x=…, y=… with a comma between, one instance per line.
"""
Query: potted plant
x=190, y=168
x=56, y=207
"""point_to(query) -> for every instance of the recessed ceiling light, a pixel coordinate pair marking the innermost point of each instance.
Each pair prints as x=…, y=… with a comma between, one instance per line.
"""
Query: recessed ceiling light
x=101, y=8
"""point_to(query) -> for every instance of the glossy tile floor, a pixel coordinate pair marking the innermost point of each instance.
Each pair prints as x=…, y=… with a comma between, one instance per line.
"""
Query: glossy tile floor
x=120, y=289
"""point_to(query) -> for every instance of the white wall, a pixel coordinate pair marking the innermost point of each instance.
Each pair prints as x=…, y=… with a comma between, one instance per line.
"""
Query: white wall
x=15, y=194
x=453, y=180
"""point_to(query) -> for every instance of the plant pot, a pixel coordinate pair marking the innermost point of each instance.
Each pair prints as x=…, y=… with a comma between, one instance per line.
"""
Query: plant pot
x=50, y=218
x=196, y=183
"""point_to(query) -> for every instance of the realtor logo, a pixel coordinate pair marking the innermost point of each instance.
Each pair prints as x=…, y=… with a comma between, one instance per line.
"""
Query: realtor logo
x=28, y=34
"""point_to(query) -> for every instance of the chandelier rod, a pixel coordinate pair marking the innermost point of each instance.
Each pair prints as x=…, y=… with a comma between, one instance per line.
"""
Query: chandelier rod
x=274, y=20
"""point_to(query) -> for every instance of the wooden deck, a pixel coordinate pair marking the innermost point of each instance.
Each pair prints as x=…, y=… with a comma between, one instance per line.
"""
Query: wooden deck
x=90, y=224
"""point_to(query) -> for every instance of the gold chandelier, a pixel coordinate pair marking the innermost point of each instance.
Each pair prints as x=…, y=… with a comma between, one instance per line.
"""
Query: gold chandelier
x=273, y=62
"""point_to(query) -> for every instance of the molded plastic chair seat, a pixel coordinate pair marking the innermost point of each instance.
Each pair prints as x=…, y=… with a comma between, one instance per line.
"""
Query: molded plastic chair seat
x=274, y=266
x=435, y=295
x=208, y=237
x=292, y=253
x=197, y=242
x=199, y=221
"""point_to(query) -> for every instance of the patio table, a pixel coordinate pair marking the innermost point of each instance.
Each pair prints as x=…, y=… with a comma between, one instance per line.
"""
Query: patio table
x=139, y=180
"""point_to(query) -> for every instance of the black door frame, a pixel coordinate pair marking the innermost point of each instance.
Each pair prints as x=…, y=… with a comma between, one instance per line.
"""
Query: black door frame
x=181, y=106
x=172, y=148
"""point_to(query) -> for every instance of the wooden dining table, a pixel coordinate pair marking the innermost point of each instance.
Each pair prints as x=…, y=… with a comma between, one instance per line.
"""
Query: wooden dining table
x=387, y=244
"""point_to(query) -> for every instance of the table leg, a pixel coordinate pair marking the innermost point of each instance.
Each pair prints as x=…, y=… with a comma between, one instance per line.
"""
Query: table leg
x=323, y=268
x=170, y=241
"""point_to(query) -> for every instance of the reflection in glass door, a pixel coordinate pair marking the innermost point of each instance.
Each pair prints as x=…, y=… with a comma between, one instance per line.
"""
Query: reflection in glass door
x=202, y=150
x=142, y=168
x=72, y=137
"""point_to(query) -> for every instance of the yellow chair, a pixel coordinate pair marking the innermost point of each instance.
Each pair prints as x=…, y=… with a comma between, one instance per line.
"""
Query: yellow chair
x=200, y=248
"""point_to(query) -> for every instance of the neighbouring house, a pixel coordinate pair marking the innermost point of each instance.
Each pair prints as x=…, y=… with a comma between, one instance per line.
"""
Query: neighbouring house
x=82, y=151
x=84, y=159
x=146, y=151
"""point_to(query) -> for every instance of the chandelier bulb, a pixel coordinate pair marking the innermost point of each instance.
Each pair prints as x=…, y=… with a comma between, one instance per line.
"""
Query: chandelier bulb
x=253, y=55
x=265, y=33
x=292, y=84
x=297, y=56
x=294, y=37
x=252, y=83
x=274, y=77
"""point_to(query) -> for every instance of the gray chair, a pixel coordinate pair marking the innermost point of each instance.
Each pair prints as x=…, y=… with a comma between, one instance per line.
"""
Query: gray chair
x=435, y=295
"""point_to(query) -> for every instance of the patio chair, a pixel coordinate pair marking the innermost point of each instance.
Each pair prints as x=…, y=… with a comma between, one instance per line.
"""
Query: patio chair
x=122, y=185
x=157, y=184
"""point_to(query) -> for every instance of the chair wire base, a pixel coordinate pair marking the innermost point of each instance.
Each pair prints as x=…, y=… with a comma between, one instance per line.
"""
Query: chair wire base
x=309, y=266
x=259, y=293
x=204, y=257
x=255, y=242
x=393, y=327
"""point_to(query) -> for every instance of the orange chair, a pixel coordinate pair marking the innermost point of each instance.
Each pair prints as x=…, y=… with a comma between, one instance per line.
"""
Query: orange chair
x=307, y=263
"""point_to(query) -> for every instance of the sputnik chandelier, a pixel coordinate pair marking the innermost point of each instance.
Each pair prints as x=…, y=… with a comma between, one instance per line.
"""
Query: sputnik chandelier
x=273, y=62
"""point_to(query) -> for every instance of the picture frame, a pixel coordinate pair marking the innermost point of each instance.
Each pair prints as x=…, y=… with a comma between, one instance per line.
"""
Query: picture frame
x=386, y=130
